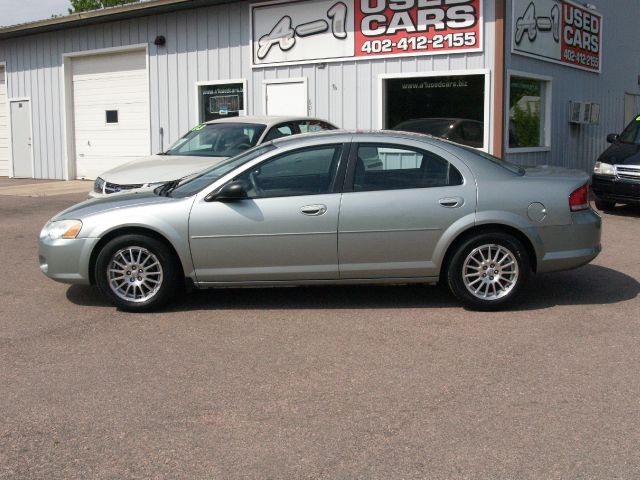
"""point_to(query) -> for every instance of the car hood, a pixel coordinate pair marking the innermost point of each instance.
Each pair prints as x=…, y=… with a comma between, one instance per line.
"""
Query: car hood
x=621, y=154
x=94, y=206
x=158, y=168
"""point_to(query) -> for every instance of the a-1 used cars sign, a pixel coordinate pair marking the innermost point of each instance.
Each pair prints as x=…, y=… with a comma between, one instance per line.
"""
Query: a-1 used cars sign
x=308, y=31
x=558, y=31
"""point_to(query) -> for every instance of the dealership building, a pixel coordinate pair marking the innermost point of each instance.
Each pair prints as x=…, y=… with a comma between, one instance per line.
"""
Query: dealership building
x=532, y=81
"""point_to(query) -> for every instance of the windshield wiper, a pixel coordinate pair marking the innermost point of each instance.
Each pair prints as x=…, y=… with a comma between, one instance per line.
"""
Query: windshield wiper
x=168, y=187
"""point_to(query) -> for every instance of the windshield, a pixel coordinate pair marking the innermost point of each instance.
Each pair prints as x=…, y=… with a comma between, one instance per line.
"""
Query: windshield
x=218, y=140
x=436, y=128
x=631, y=134
x=195, y=184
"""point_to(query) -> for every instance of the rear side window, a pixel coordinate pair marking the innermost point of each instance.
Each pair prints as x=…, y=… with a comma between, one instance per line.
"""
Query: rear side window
x=310, y=126
x=388, y=167
x=279, y=131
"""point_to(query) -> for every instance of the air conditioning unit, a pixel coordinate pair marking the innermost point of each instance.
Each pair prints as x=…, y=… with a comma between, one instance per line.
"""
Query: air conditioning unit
x=584, y=113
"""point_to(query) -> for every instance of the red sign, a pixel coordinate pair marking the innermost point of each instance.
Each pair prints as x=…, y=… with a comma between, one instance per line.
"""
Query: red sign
x=399, y=27
x=581, y=37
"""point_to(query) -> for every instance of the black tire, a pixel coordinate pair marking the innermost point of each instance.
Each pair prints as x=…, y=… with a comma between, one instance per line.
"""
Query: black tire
x=605, y=205
x=160, y=282
x=499, y=275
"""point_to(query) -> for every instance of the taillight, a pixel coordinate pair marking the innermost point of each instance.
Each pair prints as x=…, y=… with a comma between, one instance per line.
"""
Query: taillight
x=579, y=200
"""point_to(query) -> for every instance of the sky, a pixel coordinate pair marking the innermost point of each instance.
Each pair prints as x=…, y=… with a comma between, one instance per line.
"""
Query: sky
x=13, y=12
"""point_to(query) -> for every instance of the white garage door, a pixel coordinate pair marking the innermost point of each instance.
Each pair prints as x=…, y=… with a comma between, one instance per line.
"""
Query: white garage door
x=4, y=126
x=110, y=111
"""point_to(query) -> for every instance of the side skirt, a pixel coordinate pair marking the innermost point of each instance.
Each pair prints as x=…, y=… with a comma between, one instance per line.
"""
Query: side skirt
x=349, y=281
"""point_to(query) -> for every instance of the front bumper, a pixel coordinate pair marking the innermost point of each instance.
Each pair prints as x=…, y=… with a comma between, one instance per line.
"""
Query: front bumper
x=65, y=260
x=612, y=189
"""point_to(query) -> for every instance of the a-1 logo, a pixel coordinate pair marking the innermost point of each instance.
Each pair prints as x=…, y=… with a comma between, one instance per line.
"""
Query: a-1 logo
x=284, y=33
x=529, y=23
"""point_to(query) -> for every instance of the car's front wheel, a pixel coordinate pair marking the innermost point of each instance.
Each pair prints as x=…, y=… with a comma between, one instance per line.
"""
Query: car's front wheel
x=487, y=271
x=137, y=273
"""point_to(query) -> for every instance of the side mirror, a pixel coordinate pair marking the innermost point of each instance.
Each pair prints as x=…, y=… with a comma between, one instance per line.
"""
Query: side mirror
x=228, y=193
x=613, y=138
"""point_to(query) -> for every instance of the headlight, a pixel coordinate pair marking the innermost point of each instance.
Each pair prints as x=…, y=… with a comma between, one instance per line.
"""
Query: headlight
x=602, y=168
x=98, y=185
x=61, y=229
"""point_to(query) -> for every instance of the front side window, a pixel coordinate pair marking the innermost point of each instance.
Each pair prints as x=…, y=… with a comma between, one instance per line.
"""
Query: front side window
x=386, y=167
x=310, y=171
x=218, y=140
x=527, y=103
x=631, y=134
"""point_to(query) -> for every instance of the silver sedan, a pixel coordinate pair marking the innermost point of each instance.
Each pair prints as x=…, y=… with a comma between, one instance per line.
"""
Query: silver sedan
x=332, y=208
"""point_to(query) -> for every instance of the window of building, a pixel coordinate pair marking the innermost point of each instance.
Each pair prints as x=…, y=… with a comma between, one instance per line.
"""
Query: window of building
x=386, y=167
x=221, y=100
x=112, y=116
x=450, y=107
x=528, y=104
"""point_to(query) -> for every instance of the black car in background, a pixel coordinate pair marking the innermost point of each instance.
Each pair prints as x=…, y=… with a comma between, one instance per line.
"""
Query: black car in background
x=616, y=175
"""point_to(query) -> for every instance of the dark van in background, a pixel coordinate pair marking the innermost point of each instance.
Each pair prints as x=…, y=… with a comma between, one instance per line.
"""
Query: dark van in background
x=616, y=175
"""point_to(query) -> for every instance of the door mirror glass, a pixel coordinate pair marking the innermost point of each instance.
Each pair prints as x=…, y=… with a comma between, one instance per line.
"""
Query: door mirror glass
x=230, y=192
x=613, y=137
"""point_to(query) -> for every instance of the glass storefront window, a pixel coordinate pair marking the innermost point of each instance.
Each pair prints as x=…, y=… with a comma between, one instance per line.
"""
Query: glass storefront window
x=449, y=107
x=527, y=103
x=221, y=101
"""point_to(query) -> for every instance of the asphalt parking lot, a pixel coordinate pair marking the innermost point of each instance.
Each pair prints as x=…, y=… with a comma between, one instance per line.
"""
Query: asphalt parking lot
x=350, y=382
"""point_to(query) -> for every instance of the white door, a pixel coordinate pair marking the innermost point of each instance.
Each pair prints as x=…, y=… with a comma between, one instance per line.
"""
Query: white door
x=21, y=138
x=110, y=111
x=4, y=126
x=287, y=98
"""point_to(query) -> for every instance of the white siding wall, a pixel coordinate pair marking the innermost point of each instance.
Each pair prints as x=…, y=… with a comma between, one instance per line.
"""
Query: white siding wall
x=4, y=125
x=579, y=146
x=209, y=43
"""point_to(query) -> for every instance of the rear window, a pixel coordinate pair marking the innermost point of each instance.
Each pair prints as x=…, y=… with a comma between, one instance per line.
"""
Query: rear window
x=511, y=167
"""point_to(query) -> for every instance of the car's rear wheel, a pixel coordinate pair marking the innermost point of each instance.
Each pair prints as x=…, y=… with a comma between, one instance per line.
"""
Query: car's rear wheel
x=605, y=205
x=137, y=273
x=487, y=271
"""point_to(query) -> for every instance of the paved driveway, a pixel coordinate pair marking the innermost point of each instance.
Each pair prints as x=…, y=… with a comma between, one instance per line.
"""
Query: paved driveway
x=350, y=382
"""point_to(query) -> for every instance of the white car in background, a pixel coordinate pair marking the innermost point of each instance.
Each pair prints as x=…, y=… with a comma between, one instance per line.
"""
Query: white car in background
x=204, y=146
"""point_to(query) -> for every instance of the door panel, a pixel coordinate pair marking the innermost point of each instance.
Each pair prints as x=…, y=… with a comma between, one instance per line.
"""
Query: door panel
x=265, y=239
x=393, y=233
x=21, y=147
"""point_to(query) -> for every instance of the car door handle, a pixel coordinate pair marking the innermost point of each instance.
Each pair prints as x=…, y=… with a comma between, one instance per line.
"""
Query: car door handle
x=314, y=210
x=451, y=202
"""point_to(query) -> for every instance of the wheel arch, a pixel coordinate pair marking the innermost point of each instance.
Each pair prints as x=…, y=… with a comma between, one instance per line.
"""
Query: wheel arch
x=485, y=228
x=131, y=230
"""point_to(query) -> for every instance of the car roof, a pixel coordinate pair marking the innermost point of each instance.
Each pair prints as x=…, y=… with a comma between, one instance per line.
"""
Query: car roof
x=269, y=121
x=352, y=135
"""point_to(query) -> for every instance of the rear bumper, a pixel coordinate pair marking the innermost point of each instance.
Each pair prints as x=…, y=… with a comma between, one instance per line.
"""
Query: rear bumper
x=571, y=246
x=611, y=189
